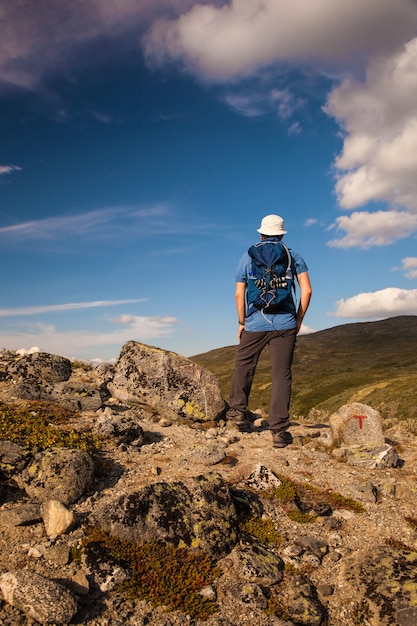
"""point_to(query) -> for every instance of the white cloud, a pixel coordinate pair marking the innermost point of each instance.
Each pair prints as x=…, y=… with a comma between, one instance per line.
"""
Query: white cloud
x=306, y=330
x=84, y=344
x=364, y=229
x=244, y=35
x=69, y=306
x=387, y=302
x=379, y=115
x=311, y=221
x=409, y=266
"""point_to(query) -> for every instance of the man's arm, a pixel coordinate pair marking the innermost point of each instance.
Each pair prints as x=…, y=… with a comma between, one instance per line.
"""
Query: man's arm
x=305, y=297
x=240, y=307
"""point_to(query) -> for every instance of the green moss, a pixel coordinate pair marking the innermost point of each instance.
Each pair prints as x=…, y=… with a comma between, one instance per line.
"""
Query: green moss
x=262, y=529
x=337, y=501
x=38, y=426
x=300, y=499
x=301, y=518
x=162, y=574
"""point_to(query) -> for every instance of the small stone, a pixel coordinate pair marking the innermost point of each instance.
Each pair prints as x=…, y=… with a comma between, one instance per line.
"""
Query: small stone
x=325, y=589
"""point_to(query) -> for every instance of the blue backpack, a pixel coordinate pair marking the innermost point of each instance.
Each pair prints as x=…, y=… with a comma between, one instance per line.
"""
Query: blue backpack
x=271, y=278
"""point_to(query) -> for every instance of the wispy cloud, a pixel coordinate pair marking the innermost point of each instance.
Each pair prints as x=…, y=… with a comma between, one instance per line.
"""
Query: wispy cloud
x=88, y=344
x=254, y=101
x=69, y=306
x=8, y=169
x=380, y=304
x=110, y=223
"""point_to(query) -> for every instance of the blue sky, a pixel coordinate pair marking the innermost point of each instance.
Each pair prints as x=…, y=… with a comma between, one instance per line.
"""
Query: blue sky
x=142, y=142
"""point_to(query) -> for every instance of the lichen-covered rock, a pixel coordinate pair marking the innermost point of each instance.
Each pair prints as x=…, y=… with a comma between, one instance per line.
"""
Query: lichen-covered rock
x=383, y=584
x=38, y=597
x=374, y=458
x=169, y=383
x=124, y=428
x=297, y=601
x=197, y=513
x=13, y=458
x=258, y=565
x=62, y=474
x=43, y=367
x=75, y=396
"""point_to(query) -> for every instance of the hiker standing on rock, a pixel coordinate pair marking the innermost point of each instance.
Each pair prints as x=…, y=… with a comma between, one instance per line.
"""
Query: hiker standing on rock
x=267, y=315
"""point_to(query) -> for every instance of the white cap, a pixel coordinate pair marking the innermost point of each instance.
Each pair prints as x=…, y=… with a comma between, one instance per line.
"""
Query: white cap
x=272, y=225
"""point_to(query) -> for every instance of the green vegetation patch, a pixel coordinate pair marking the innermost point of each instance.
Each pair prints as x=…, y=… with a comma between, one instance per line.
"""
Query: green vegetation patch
x=37, y=425
x=262, y=529
x=162, y=574
x=300, y=500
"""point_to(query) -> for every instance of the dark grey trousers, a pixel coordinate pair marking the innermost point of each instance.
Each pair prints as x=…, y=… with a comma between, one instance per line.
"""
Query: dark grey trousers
x=281, y=348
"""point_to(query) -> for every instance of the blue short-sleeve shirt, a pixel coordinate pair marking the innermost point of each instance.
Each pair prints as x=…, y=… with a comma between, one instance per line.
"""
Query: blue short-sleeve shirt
x=260, y=321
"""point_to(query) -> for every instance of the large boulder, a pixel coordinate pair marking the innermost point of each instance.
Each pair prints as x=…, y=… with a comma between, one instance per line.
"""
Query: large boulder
x=62, y=474
x=41, y=366
x=172, y=385
x=197, y=513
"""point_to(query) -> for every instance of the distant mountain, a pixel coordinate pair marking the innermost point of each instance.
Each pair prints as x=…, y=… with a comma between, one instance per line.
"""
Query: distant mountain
x=370, y=362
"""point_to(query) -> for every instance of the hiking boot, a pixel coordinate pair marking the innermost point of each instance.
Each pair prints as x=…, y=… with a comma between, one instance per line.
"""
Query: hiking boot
x=237, y=419
x=281, y=440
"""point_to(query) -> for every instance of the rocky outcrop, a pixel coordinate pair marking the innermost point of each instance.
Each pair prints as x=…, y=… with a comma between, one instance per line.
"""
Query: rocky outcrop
x=197, y=513
x=168, y=383
x=296, y=534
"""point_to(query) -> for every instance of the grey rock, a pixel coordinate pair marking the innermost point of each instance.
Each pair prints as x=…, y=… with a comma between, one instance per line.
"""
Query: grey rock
x=62, y=474
x=198, y=512
x=262, y=478
x=249, y=594
x=257, y=564
x=20, y=515
x=312, y=545
x=300, y=599
x=74, y=396
x=209, y=454
x=172, y=385
x=38, y=597
x=380, y=457
x=40, y=366
x=13, y=458
x=123, y=428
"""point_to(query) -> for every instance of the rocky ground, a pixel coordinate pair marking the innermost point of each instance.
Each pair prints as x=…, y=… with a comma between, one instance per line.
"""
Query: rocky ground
x=174, y=452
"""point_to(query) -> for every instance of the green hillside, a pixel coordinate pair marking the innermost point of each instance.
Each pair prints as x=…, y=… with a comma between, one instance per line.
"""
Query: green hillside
x=370, y=362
